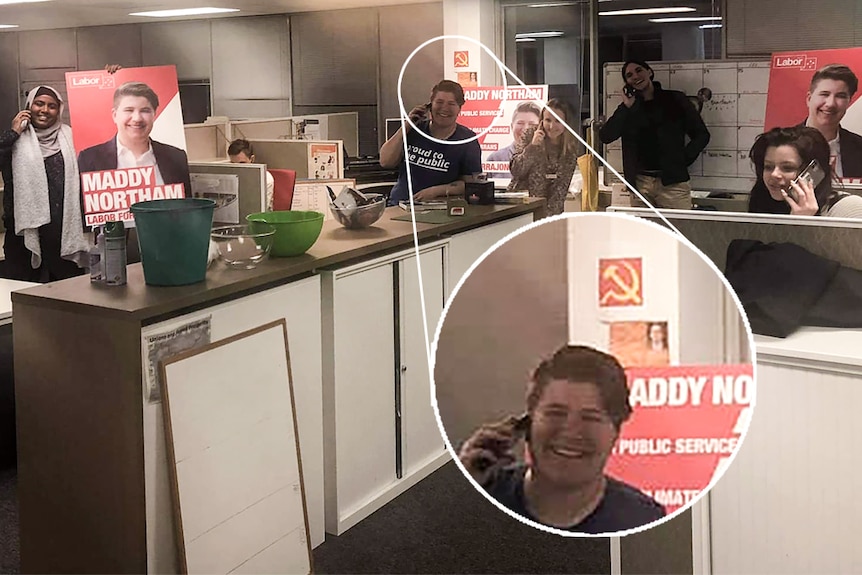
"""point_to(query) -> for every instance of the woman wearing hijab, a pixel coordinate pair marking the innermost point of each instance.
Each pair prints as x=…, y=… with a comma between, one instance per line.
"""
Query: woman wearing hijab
x=41, y=201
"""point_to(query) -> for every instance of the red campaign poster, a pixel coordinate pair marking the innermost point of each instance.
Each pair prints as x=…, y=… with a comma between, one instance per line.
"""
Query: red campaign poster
x=686, y=423
x=790, y=75
x=482, y=108
x=129, y=137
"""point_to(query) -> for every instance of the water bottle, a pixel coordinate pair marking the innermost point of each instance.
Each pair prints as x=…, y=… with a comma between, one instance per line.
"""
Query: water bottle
x=115, y=254
x=96, y=271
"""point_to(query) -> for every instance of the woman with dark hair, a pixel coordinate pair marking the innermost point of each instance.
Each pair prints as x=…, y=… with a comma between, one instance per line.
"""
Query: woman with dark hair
x=653, y=123
x=437, y=170
x=546, y=157
x=779, y=155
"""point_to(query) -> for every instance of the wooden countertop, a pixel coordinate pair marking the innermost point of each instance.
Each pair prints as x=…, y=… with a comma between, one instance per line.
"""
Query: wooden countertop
x=336, y=245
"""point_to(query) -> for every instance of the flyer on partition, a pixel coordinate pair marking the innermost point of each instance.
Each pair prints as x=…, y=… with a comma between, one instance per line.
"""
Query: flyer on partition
x=485, y=106
x=131, y=118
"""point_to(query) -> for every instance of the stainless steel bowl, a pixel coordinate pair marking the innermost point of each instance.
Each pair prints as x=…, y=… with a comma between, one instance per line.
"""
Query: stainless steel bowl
x=360, y=216
x=243, y=246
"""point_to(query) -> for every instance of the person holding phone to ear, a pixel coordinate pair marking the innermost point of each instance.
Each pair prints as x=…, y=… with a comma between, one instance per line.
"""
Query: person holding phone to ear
x=41, y=201
x=437, y=169
x=654, y=124
x=577, y=401
x=546, y=157
x=779, y=157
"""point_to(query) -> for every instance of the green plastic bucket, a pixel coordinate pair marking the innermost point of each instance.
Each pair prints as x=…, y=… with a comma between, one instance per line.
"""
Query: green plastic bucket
x=174, y=238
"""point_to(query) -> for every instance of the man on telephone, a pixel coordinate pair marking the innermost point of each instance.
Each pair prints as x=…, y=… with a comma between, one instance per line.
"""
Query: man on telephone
x=577, y=400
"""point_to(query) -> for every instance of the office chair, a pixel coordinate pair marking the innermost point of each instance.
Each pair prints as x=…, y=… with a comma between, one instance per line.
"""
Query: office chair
x=282, y=189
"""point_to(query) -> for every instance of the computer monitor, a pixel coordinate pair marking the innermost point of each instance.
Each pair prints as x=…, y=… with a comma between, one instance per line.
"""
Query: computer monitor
x=392, y=125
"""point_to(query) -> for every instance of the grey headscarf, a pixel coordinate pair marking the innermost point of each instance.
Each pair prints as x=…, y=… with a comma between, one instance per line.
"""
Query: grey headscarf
x=49, y=141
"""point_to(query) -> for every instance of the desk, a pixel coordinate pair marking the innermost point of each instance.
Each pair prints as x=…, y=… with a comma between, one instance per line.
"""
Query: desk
x=7, y=381
x=6, y=289
x=92, y=473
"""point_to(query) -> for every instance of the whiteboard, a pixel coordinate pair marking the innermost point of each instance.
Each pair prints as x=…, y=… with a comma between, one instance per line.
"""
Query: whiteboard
x=734, y=116
x=230, y=424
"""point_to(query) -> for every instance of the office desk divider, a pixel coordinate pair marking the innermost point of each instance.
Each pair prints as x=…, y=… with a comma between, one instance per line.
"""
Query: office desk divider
x=301, y=155
x=250, y=182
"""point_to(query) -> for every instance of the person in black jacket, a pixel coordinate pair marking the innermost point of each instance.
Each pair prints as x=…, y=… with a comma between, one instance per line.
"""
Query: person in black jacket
x=829, y=95
x=653, y=123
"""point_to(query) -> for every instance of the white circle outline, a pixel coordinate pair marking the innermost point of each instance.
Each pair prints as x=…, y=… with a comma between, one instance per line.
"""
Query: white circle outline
x=715, y=478
x=476, y=135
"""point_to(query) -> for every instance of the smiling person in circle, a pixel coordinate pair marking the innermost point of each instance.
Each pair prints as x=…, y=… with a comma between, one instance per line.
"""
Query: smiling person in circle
x=438, y=170
x=576, y=403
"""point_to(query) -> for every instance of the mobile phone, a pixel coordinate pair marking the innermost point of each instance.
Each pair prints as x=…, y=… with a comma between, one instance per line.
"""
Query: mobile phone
x=24, y=123
x=813, y=173
x=629, y=91
x=522, y=426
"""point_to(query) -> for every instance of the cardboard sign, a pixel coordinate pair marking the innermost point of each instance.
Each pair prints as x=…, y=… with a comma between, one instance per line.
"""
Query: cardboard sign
x=790, y=78
x=484, y=107
x=107, y=124
x=686, y=423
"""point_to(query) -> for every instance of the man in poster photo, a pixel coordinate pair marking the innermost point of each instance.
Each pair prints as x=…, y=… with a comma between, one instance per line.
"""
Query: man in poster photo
x=829, y=95
x=134, y=113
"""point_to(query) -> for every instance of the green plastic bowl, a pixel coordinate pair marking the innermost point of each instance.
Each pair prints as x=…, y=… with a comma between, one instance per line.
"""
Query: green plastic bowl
x=295, y=232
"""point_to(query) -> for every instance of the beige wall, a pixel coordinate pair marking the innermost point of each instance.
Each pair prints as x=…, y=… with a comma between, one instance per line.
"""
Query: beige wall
x=509, y=313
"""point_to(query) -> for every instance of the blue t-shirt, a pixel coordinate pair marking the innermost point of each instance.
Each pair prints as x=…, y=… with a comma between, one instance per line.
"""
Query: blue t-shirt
x=622, y=507
x=433, y=163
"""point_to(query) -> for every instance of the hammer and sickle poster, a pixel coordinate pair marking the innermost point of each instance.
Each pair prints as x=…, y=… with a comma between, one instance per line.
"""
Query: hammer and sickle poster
x=620, y=282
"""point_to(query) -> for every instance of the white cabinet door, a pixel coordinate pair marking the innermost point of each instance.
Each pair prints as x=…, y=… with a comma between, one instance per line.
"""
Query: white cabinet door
x=421, y=442
x=360, y=386
x=789, y=501
x=299, y=304
x=466, y=247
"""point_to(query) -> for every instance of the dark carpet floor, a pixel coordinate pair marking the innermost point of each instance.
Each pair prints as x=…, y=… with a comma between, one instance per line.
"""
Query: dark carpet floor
x=441, y=525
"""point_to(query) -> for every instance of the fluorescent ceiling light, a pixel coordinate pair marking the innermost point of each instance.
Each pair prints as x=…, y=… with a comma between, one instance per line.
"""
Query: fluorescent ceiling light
x=686, y=19
x=560, y=4
x=184, y=12
x=525, y=39
x=636, y=11
x=5, y=2
x=8, y=25
x=705, y=26
x=546, y=34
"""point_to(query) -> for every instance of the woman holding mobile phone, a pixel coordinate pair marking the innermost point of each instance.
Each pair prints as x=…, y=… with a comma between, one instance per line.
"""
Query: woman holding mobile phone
x=546, y=157
x=779, y=157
